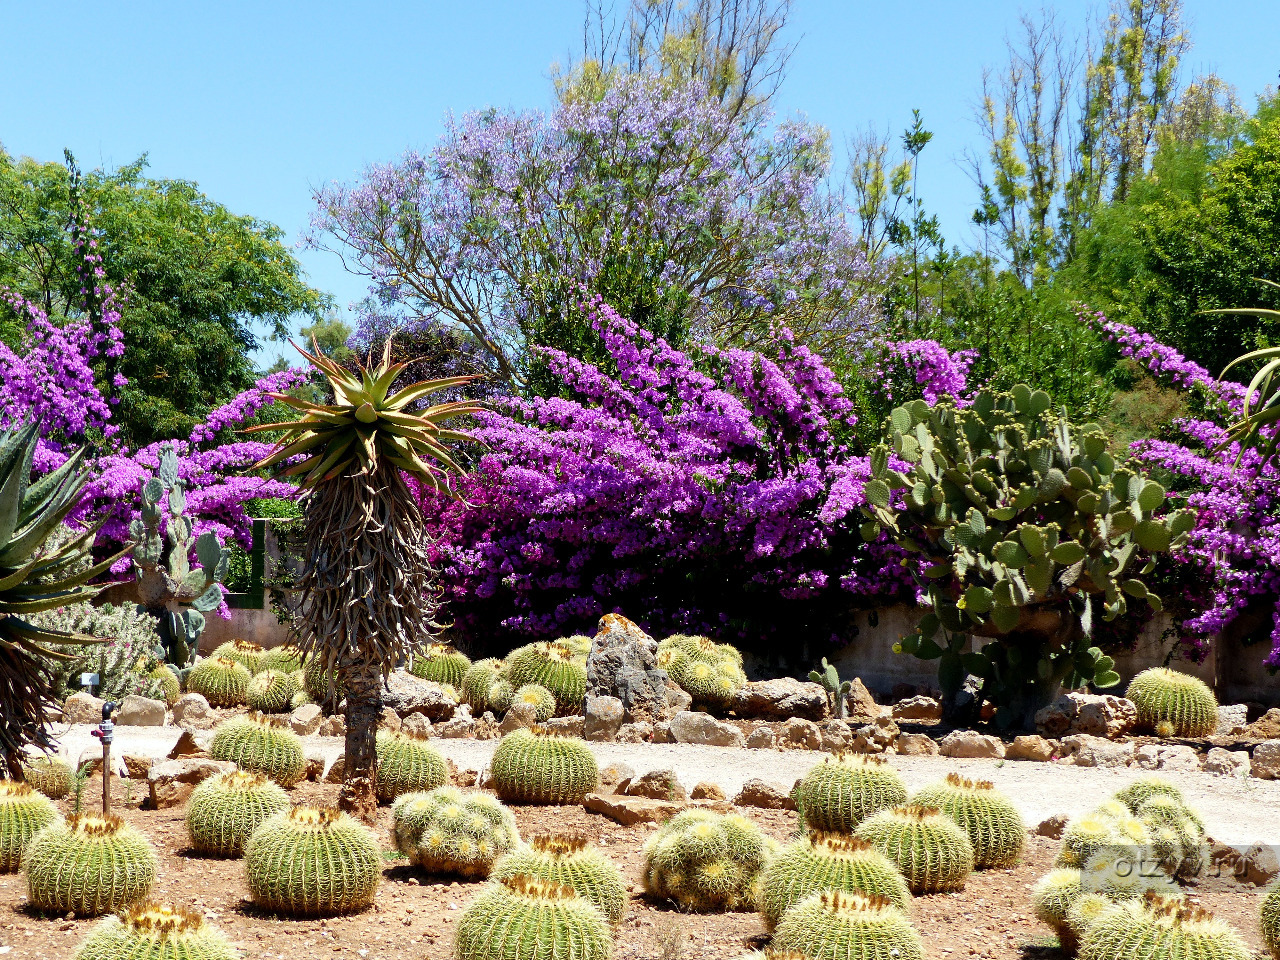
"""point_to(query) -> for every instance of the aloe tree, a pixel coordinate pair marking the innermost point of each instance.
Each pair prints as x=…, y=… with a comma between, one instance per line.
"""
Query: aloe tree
x=1262, y=396
x=367, y=590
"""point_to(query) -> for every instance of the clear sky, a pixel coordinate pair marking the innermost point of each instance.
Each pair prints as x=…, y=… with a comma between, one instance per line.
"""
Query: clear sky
x=260, y=101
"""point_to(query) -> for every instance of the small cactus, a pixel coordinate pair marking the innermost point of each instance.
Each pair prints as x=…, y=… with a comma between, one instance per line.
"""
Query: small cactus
x=841, y=792
x=1167, y=696
x=1144, y=788
x=705, y=861
x=553, y=666
x=529, y=767
x=23, y=813
x=480, y=676
x=446, y=831
x=220, y=680
x=441, y=663
x=1270, y=919
x=244, y=652
x=406, y=764
x=827, y=861
x=993, y=823
x=1085, y=835
x=521, y=918
x=312, y=862
x=1052, y=899
x=538, y=697
x=1125, y=873
x=711, y=673
x=829, y=679
x=932, y=851
x=1087, y=908
x=226, y=809
x=1158, y=929
x=833, y=924
x=500, y=696
x=151, y=931
x=271, y=691
x=49, y=775
x=301, y=698
x=1177, y=839
x=89, y=866
x=579, y=645
x=573, y=862
x=323, y=686
x=261, y=748
x=286, y=658
x=167, y=681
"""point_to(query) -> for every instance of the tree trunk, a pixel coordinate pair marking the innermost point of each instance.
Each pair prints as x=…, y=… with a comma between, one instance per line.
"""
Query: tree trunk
x=359, y=793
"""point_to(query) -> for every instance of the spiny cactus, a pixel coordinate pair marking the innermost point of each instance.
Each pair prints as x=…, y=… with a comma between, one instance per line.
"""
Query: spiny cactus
x=271, y=691
x=827, y=861
x=930, y=849
x=224, y=811
x=1144, y=788
x=88, y=865
x=244, y=652
x=711, y=673
x=167, y=682
x=49, y=775
x=1052, y=899
x=993, y=823
x=529, y=767
x=1087, y=908
x=286, y=658
x=705, y=861
x=301, y=697
x=522, y=918
x=1163, y=695
x=322, y=685
x=151, y=931
x=834, y=925
x=1178, y=841
x=221, y=681
x=441, y=663
x=538, y=697
x=480, y=676
x=1122, y=872
x=1085, y=835
x=406, y=764
x=842, y=791
x=500, y=695
x=579, y=645
x=553, y=666
x=1157, y=929
x=23, y=814
x=829, y=679
x=573, y=862
x=446, y=831
x=261, y=748
x=1270, y=919
x=312, y=862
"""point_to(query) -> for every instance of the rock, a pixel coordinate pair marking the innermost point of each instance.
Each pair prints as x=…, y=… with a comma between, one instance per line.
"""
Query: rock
x=780, y=699
x=629, y=811
x=315, y=766
x=690, y=727
x=623, y=664
x=192, y=710
x=1086, y=751
x=1052, y=827
x=187, y=746
x=138, y=711
x=707, y=791
x=137, y=766
x=1227, y=763
x=565, y=726
x=521, y=716
x=1266, y=760
x=800, y=733
x=915, y=745
x=1156, y=756
x=615, y=773
x=859, y=705
x=658, y=784
x=463, y=712
x=456, y=728
x=1095, y=715
x=1029, y=747
x=170, y=782
x=1260, y=864
x=466, y=778
x=307, y=719
x=635, y=733
x=406, y=694
x=82, y=708
x=762, y=738
x=662, y=732
x=337, y=770
x=416, y=725
x=1232, y=720
x=970, y=743
x=836, y=736
x=757, y=793
x=334, y=726
x=1266, y=727
x=876, y=737
x=918, y=710
x=390, y=720
x=602, y=718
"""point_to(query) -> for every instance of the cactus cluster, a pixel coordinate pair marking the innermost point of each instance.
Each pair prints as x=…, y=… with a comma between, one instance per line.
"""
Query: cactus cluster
x=711, y=673
x=272, y=691
x=550, y=665
x=49, y=775
x=152, y=931
x=1176, y=837
x=578, y=644
x=1184, y=702
x=220, y=680
x=226, y=809
x=1086, y=835
x=244, y=652
x=1143, y=789
x=261, y=748
x=834, y=925
x=480, y=676
x=1157, y=929
x=1052, y=898
x=531, y=767
x=23, y=813
x=1119, y=873
x=167, y=682
x=538, y=697
x=441, y=663
x=306, y=861
x=705, y=861
x=827, y=861
x=286, y=658
x=839, y=793
x=932, y=851
x=574, y=863
x=500, y=696
x=522, y=918
x=407, y=764
x=446, y=831
x=993, y=823
x=88, y=865
x=1270, y=919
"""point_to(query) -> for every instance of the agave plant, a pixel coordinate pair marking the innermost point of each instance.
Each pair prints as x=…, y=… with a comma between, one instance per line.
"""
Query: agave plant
x=32, y=579
x=367, y=591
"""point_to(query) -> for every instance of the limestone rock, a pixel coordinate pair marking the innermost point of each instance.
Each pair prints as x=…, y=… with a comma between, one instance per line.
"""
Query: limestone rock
x=521, y=716
x=137, y=766
x=780, y=699
x=1095, y=715
x=306, y=720
x=836, y=736
x=1052, y=827
x=337, y=770
x=859, y=705
x=1232, y=720
x=334, y=726
x=762, y=738
x=615, y=773
x=1227, y=763
x=563, y=726
x=1266, y=727
x=189, y=745
x=456, y=728
x=138, y=711
x=390, y=720
x=757, y=793
x=640, y=732
x=416, y=725
x=603, y=717
x=657, y=784
x=1030, y=747
x=623, y=664
x=315, y=766
x=802, y=734
x=916, y=745
x=1156, y=756
x=192, y=710
x=702, y=728
x=970, y=743
x=707, y=791
x=662, y=732
x=1266, y=760
x=876, y=737
x=82, y=708
x=629, y=811
x=1086, y=751
x=918, y=710
x=171, y=782
x=406, y=694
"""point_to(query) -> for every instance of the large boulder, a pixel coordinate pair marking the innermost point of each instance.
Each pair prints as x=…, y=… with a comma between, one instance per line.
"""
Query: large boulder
x=138, y=711
x=1232, y=720
x=780, y=699
x=970, y=743
x=803, y=734
x=306, y=720
x=603, y=718
x=758, y=793
x=1086, y=751
x=406, y=694
x=192, y=711
x=1094, y=715
x=859, y=704
x=918, y=710
x=171, y=782
x=1266, y=760
x=623, y=663
x=1030, y=747
x=702, y=728
x=521, y=716
x=1159, y=756
x=657, y=784
x=876, y=737
x=82, y=708
x=1227, y=763
x=915, y=745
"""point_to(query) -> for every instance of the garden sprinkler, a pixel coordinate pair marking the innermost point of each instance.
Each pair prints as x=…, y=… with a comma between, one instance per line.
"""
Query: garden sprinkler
x=105, y=732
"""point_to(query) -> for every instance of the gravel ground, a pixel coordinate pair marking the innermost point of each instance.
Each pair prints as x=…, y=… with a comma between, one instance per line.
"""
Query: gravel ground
x=1237, y=811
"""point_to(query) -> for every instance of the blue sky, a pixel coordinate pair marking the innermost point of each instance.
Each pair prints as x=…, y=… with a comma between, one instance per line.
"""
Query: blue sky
x=260, y=101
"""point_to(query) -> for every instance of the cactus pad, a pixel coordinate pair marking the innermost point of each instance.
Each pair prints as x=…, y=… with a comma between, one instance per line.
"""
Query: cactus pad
x=224, y=811
x=89, y=866
x=244, y=652
x=705, y=861
x=406, y=764
x=271, y=691
x=573, y=862
x=529, y=767
x=312, y=862
x=441, y=663
x=1157, y=929
x=553, y=666
x=447, y=831
x=522, y=918
x=538, y=697
x=220, y=680
x=49, y=775
x=827, y=861
x=839, y=793
x=151, y=931
x=932, y=851
x=834, y=925
x=260, y=748
x=1161, y=695
x=24, y=812
x=993, y=823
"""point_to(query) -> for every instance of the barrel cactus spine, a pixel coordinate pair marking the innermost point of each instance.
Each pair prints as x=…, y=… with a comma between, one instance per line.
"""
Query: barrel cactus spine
x=407, y=764
x=990, y=819
x=500, y=696
x=538, y=697
x=285, y=658
x=271, y=691
x=260, y=748
x=839, y=793
x=480, y=676
x=1174, y=834
x=532, y=767
x=834, y=924
x=152, y=931
x=225, y=810
x=220, y=680
x=49, y=775
x=441, y=663
x=523, y=918
x=553, y=666
x=1270, y=919
x=1124, y=872
x=307, y=861
x=1052, y=898
x=1156, y=929
x=88, y=865
x=574, y=863
x=244, y=652
x=578, y=644
x=448, y=831
x=705, y=861
x=932, y=851
x=1168, y=696
x=24, y=812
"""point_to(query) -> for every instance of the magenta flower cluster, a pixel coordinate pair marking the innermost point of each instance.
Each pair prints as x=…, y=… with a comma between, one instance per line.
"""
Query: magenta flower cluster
x=930, y=369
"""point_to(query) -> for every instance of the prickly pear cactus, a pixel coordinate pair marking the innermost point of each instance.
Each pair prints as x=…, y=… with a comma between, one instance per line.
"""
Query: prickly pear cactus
x=447, y=831
x=553, y=666
x=407, y=764
x=152, y=931
x=244, y=652
x=49, y=775
x=829, y=679
x=990, y=819
x=705, y=861
x=538, y=697
x=480, y=676
x=224, y=811
x=1026, y=529
x=529, y=767
x=441, y=663
x=1157, y=929
x=932, y=852
x=827, y=861
x=89, y=866
x=261, y=748
x=1167, y=696
x=223, y=682
x=312, y=862
x=574, y=863
x=522, y=918
x=842, y=791
x=23, y=814
x=833, y=924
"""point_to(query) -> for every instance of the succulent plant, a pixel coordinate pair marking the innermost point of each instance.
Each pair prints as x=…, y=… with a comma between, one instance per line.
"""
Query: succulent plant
x=447, y=831
x=521, y=918
x=88, y=865
x=773, y=953
x=530, y=767
x=23, y=813
x=1123, y=872
x=553, y=666
x=225, y=810
x=827, y=861
x=839, y=793
x=711, y=673
x=1052, y=899
x=271, y=691
x=320, y=684
x=1087, y=834
x=441, y=663
x=1167, y=696
x=301, y=697
x=500, y=695
x=1270, y=919
x=579, y=645
x=480, y=676
x=829, y=679
x=573, y=862
x=151, y=931
x=244, y=652
x=705, y=861
x=286, y=658
x=223, y=682
x=932, y=851
x=407, y=764
x=538, y=697
x=1157, y=929
x=49, y=775
x=1024, y=523
x=990, y=819
x=260, y=748
x=308, y=861
x=1175, y=836
x=167, y=681
x=834, y=925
